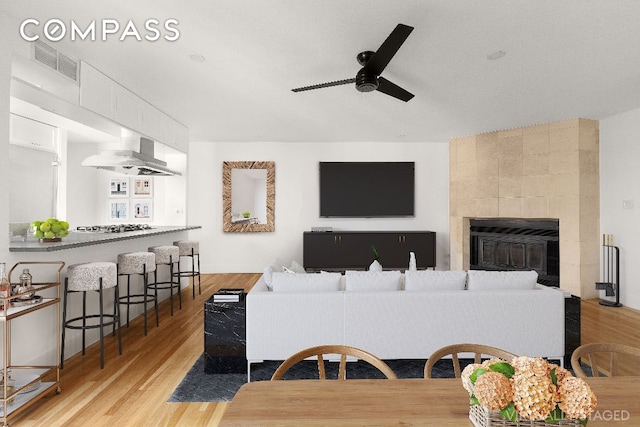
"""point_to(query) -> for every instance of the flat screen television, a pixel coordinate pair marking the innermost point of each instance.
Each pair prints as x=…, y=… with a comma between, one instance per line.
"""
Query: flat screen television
x=367, y=189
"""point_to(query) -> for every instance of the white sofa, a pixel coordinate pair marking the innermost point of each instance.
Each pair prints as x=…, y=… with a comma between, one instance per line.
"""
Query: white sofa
x=405, y=321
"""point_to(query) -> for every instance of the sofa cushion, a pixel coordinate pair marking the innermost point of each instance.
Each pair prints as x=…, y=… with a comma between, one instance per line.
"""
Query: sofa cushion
x=430, y=280
x=479, y=280
x=294, y=268
x=303, y=282
x=267, y=272
x=363, y=281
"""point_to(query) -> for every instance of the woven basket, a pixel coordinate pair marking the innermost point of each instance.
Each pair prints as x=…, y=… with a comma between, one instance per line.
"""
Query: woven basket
x=482, y=416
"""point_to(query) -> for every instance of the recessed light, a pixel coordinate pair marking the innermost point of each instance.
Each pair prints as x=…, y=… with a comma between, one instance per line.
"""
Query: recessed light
x=197, y=57
x=496, y=55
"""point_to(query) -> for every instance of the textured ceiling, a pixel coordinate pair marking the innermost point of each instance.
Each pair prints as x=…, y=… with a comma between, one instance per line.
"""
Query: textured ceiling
x=564, y=59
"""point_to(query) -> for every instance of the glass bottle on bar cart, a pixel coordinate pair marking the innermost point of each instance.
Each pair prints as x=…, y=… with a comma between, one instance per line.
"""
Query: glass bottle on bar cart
x=25, y=285
x=5, y=287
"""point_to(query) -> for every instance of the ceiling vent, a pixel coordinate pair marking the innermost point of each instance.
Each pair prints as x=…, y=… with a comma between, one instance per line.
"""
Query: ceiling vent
x=55, y=59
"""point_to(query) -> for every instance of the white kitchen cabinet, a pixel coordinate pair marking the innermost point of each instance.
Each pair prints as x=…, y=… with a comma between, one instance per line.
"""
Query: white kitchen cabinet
x=181, y=137
x=32, y=133
x=104, y=96
x=174, y=134
x=151, y=120
x=96, y=91
x=126, y=106
x=167, y=131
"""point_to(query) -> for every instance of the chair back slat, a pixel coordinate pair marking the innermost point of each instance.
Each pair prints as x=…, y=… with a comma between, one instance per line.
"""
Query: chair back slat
x=343, y=351
x=455, y=350
x=605, y=359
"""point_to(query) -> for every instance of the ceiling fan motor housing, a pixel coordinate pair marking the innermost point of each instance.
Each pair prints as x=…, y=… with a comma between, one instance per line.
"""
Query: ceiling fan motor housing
x=366, y=82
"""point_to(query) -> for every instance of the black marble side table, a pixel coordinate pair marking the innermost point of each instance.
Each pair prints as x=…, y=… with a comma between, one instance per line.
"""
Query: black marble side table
x=225, y=337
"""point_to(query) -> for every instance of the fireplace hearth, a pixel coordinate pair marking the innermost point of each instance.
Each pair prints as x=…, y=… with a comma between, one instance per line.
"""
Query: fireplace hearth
x=516, y=244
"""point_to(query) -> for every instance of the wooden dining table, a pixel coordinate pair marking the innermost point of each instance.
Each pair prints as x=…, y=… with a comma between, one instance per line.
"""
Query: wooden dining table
x=402, y=402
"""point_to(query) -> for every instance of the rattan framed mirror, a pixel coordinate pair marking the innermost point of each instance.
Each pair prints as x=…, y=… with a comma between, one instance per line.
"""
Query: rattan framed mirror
x=248, y=196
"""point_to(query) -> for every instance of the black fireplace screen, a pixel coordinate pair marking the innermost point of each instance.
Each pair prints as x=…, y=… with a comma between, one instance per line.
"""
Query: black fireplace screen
x=517, y=244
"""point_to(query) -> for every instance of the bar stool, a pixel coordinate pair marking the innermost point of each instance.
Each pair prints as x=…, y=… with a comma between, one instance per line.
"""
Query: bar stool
x=190, y=248
x=138, y=263
x=85, y=277
x=167, y=255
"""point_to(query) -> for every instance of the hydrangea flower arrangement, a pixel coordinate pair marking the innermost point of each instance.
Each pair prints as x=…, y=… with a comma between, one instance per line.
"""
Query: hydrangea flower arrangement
x=531, y=388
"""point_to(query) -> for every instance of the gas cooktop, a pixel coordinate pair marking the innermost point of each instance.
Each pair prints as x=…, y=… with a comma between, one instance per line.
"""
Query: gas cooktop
x=114, y=228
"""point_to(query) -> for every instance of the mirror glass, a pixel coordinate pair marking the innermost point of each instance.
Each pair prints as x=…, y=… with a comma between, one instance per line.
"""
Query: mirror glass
x=248, y=196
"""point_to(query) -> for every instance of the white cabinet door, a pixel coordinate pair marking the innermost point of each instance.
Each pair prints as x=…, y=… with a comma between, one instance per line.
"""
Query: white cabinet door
x=167, y=136
x=181, y=137
x=106, y=97
x=127, y=106
x=151, y=121
x=32, y=134
x=96, y=92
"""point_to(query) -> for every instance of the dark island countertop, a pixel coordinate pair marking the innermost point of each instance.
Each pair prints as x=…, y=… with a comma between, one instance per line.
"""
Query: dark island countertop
x=77, y=239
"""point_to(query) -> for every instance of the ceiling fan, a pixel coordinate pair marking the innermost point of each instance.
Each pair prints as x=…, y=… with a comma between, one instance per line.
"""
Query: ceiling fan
x=368, y=78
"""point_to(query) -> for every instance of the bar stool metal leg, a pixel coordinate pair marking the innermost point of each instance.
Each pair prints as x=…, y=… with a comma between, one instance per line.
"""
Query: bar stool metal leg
x=85, y=278
x=190, y=249
x=138, y=263
x=64, y=321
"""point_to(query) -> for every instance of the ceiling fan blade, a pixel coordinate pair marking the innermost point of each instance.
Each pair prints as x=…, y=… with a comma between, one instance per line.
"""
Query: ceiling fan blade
x=388, y=49
x=323, y=85
x=392, y=89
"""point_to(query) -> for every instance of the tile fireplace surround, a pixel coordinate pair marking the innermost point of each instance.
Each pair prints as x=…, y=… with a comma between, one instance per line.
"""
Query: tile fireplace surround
x=548, y=171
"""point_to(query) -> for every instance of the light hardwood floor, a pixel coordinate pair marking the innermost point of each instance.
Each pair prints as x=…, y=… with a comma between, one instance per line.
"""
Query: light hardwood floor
x=132, y=389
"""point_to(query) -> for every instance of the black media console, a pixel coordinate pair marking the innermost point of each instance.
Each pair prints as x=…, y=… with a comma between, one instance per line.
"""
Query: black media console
x=351, y=250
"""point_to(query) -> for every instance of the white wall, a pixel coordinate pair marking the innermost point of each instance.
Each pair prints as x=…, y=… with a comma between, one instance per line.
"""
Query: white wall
x=297, y=198
x=620, y=182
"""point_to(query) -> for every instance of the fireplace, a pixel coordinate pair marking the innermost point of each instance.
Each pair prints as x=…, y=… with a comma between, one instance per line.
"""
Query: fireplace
x=516, y=244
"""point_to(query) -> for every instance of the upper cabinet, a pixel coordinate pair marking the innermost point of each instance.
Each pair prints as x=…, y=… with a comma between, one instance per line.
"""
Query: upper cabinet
x=32, y=133
x=96, y=91
x=106, y=97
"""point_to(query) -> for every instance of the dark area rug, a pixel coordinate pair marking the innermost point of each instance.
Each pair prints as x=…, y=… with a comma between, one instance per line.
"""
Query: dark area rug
x=200, y=387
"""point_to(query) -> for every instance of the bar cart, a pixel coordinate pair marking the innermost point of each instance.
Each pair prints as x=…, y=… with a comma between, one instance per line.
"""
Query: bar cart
x=28, y=384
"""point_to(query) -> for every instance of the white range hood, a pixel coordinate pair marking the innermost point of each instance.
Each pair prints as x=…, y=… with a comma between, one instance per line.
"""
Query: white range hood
x=131, y=162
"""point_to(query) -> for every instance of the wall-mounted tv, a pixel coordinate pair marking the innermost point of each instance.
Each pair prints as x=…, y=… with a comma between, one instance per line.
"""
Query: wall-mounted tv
x=367, y=189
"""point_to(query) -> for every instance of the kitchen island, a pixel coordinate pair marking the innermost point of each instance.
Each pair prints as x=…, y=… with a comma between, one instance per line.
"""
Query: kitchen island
x=77, y=239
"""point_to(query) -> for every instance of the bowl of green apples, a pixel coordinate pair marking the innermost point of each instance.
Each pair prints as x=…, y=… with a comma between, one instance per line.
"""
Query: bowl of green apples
x=49, y=230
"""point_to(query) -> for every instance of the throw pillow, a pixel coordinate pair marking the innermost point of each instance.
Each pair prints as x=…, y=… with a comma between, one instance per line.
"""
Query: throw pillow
x=364, y=281
x=481, y=280
x=297, y=268
x=303, y=282
x=267, y=272
x=430, y=280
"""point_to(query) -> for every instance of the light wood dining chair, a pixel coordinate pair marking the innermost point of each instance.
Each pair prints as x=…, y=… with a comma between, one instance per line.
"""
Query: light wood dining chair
x=343, y=351
x=604, y=359
x=478, y=350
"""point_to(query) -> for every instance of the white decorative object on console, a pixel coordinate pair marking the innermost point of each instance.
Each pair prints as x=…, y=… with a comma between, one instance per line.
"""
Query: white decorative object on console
x=375, y=266
x=412, y=261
